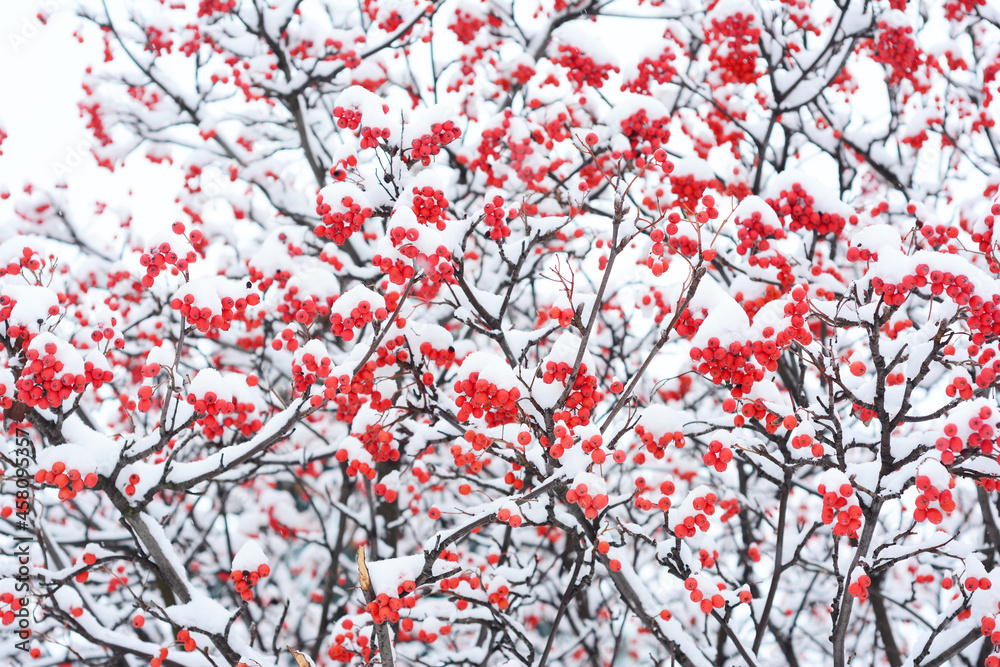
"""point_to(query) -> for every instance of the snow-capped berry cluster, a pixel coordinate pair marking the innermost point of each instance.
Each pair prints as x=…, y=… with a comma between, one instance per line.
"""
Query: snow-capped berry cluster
x=582, y=69
x=700, y=592
x=928, y=497
x=639, y=128
x=339, y=224
x=378, y=441
x=689, y=189
x=755, y=234
x=162, y=256
x=655, y=441
x=589, y=492
x=659, y=69
x=466, y=25
x=29, y=259
x=357, y=318
x=430, y=206
x=350, y=118
x=247, y=579
x=734, y=50
x=800, y=209
x=859, y=585
x=69, y=481
x=213, y=303
x=482, y=399
x=840, y=504
x=424, y=147
x=53, y=372
x=496, y=218
x=692, y=515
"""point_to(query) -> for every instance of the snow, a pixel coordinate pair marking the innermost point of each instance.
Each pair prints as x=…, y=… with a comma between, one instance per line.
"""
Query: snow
x=201, y=613
x=250, y=557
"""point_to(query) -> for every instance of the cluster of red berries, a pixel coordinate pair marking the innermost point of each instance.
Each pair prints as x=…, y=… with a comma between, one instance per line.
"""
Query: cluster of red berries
x=859, y=587
x=804, y=440
x=930, y=494
x=425, y=147
x=14, y=605
x=430, y=205
x=754, y=234
x=658, y=445
x=734, y=49
x=43, y=382
x=246, y=580
x=895, y=47
x=840, y=504
x=797, y=206
x=29, y=259
x=384, y=609
x=162, y=256
x=339, y=225
x=689, y=189
x=220, y=414
x=718, y=456
x=215, y=315
x=303, y=310
x=70, y=482
x=695, y=512
x=981, y=436
x=441, y=358
x=482, y=399
x=704, y=601
x=660, y=69
x=378, y=442
x=582, y=69
x=583, y=396
x=512, y=519
x=940, y=235
x=496, y=218
x=341, y=653
x=639, y=128
x=356, y=319
x=466, y=26
x=498, y=597
x=580, y=494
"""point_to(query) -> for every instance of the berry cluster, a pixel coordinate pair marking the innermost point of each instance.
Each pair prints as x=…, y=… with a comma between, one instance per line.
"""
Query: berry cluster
x=466, y=26
x=246, y=580
x=13, y=606
x=425, y=147
x=895, y=47
x=754, y=234
x=378, y=442
x=162, y=256
x=69, y=482
x=430, y=206
x=482, y=399
x=981, y=435
x=804, y=440
x=734, y=49
x=797, y=206
x=639, y=128
x=588, y=492
x=718, y=456
x=384, y=609
x=689, y=189
x=582, y=68
x=699, y=595
x=207, y=312
x=657, y=445
x=495, y=218
x=660, y=69
x=339, y=225
x=859, y=587
x=694, y=513
x=30, y=259
x=217, y=413
x=357, y=318
x=340, y=653
x=930, y=494
x=47, y=382
x=840, y=504
x=582, y=397
x=936, y=236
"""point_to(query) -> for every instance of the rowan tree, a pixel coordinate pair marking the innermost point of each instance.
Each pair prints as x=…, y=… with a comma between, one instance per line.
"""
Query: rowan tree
x=567, y=333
